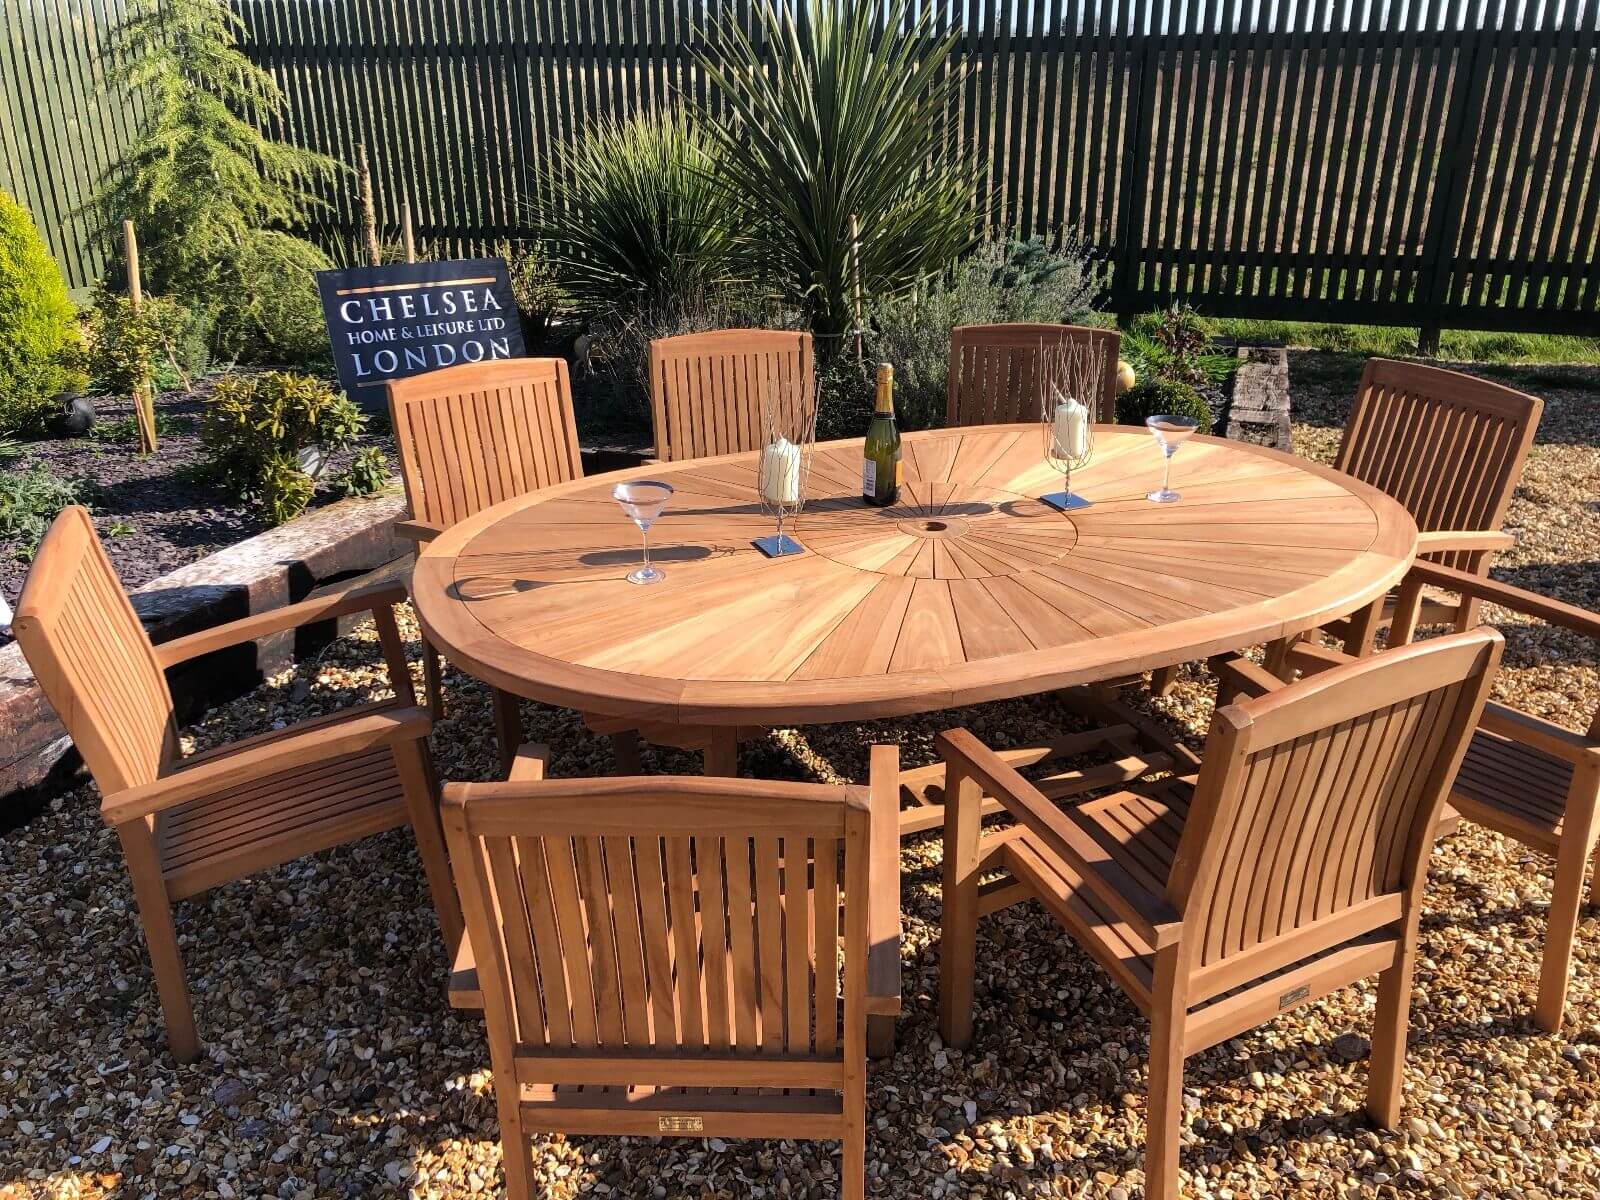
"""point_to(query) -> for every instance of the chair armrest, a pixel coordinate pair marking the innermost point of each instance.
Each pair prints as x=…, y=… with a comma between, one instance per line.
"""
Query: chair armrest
x=260, y=625
x=1553, y=739
x=1241, y=677
x=1439, y=540
x=1153, y=917
x=531, y=763
x=224, y=771
x=417, y=531
x=883, y=873
x=1529, y=604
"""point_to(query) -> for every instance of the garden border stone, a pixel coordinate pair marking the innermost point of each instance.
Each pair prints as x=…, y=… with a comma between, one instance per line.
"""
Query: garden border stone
x=317, y=552
x=1259, y=409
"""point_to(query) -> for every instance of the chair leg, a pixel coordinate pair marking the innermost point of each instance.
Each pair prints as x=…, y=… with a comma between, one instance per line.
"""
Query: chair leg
x=1566, y=904
x=516, y=1155
x=421, y=787
x=433, y=679
x=958, y=921
x=1389, y=1028
x=507, y=726
x=722, y=754
x=1277, y=655
x=1164, y=1104
x=853, y=1158
x=161, y=940
x=1162, y=680
x=625, y=752
x=880, y=1035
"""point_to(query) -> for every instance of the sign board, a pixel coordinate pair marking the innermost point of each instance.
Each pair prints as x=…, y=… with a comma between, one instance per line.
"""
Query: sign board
x=393, y=321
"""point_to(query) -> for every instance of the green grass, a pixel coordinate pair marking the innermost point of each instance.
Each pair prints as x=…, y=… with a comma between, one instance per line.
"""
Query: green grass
x=1456, y=345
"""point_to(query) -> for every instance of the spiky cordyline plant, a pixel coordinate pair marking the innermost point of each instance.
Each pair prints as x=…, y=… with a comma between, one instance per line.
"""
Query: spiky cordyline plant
x=842, y=115
x=201, y=175
x=634, y=218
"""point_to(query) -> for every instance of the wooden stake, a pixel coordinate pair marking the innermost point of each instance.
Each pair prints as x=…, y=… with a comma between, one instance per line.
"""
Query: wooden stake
x=144, y=403
x=369, y=209
x=407, y=235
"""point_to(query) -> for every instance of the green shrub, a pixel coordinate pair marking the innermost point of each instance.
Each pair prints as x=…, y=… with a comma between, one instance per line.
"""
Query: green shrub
x=29, y=501
x=255, y=427
x=842, y=113
x=270, y=311
x=1175, y=343
x=38, y=332
x=535, y=285
x=1155, y=396
x=164, y=342
x=1000, y=281
x=635, y=220
x=367, y=474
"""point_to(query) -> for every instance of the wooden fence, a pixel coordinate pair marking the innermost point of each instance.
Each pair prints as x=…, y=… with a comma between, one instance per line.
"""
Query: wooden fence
x=1424, y=162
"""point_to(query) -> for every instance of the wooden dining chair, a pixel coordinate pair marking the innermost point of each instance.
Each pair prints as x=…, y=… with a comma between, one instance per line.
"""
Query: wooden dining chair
x=469, y=437
x=189, y=824
x=1450, y=448
x=994, y=371
x=1528, y=779
x=883, y=1000
x=1290, y=865
x=669, y=956
x=707, y=389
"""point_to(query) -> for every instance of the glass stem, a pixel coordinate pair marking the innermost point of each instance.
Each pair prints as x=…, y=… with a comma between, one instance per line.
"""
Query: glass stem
x=1166, y=475
x=646, y=533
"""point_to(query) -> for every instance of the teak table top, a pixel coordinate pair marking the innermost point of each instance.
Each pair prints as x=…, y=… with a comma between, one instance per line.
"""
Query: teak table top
x=970, y=589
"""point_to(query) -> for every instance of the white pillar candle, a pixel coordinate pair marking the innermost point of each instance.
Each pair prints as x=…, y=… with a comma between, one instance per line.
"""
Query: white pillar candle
x=778, y=476
x=1071, y=429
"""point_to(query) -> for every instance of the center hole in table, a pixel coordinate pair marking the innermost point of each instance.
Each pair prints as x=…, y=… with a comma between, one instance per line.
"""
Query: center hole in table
x=935, y=526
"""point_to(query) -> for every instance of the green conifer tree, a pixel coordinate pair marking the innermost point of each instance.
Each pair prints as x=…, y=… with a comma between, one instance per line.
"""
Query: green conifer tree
x=203, y=174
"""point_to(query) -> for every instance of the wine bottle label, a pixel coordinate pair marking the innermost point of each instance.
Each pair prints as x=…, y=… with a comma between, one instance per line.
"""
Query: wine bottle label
x=869, y=477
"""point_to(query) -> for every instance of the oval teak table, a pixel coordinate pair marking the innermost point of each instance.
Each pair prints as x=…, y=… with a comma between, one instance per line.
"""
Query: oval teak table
x=970, y=589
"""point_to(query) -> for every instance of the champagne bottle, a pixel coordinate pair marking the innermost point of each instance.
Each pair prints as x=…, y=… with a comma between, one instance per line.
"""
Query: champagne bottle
x=880, y=464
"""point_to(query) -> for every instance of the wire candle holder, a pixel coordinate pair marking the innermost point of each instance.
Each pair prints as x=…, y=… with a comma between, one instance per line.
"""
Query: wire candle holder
x=783, y=472
x=1069, y=376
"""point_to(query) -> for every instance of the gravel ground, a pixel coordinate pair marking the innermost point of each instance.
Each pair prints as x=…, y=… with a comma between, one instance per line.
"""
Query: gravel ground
x=335, y=1068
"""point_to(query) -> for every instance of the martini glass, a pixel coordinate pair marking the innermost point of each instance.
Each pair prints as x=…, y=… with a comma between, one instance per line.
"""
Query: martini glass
x=1171, y=432
x=642, y=503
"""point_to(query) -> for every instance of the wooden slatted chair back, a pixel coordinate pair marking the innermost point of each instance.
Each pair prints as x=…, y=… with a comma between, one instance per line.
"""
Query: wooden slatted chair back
x=707, y=389
x=995, y=369
x=473, y=435
x=94, y=661
x=1448, y=446
x=1314, y=813
x=667, y=932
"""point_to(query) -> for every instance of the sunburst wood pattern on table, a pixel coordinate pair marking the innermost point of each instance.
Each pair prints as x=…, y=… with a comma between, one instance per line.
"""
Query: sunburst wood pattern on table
x=968, y=589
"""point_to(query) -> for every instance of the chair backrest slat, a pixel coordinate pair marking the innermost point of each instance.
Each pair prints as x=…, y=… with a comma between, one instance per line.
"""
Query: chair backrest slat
x=995, y=371
x=1448, y=446
x=93, y=659
x=1316, y=802
x=471, y=436
x=707, y=389
x=710, y=929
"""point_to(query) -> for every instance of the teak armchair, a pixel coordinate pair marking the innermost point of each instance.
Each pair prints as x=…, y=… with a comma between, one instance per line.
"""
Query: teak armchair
x=994, y=371
x=469, y=437
x=1448, y=446
x=189, y=824
x=1291, y=865
x=662, y=956
x=1526, y=778
x=707, y=389
x=883, y=1000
